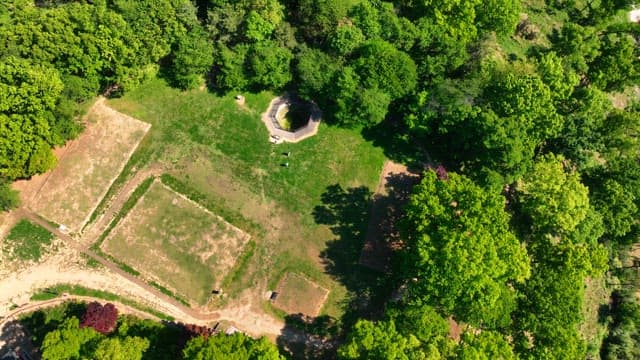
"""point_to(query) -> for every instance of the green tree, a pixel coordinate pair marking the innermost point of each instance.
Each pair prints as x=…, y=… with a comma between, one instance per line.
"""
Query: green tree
x=233, y=347
x=617, y=207
x=486, y=345
x=379, y=340
x=620, y=132
x=444, y=29
x=318, y=18
x=355, y=105
x=526, y=97
x=315, y=71
x=345, y=39
x=584, y=115
x=423, y=322
x=224, y=21
x=268, y=65
x=129, y=348
x=623, y=339
x=28, y=97
x=460, y=250
x=9, y=198
x=257, y=28
x=69, y=341
x=380, y=65
x=560, y=79
x=192, y=58
x=617, y=64
x=500, y=16
x=578, y=45
x=554, y=199
x=548, y=316
x=230, y=67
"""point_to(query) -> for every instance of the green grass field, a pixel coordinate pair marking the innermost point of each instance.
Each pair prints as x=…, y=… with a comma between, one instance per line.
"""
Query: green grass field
x=221, y=150
x=176, y=243
x=26, y=242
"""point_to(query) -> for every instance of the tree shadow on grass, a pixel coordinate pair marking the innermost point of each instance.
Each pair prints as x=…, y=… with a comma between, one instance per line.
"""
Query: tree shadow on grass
x=347, y=213
x=354, y=216
x=397, y=143
x=306, y=337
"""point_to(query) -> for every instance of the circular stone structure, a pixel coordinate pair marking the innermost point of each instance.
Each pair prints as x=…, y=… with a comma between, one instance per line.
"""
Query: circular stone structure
x=291, y=119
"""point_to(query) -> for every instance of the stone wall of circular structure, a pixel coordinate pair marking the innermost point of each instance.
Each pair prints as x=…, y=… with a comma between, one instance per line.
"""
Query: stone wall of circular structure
x=280, y=104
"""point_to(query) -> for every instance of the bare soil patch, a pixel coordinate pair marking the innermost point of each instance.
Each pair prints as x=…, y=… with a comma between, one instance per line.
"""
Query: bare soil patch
x=299, y=295
x=87, y=167
x=177, y=243
x=394, y=189
x=68, y=267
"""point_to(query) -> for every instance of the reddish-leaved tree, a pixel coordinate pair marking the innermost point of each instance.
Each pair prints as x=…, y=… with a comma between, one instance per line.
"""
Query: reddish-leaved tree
x=192, y=331
x=101, y=318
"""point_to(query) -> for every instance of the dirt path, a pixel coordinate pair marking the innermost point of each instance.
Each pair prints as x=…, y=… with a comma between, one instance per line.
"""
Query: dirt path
x=37, y=305
x=122, y=283
x=64, y=268
x=14, y=335
x=95, y=229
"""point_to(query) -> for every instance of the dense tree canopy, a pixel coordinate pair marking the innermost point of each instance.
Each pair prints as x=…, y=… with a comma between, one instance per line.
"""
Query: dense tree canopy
x=460, y=251
x=28, y=97
x=378, y=341
x=236, y=346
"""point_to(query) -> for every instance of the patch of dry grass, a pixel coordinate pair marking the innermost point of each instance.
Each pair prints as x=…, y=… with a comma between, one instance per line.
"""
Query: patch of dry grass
x=88, y=167
x=297, y=294
x=176, y=243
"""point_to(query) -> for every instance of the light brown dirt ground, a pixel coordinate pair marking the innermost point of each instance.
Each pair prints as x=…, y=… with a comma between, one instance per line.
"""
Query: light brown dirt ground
x=95, y=228
x=176, y=242
x=66, y=267
x=299, y=295
x=7, y=221
x=88, y=167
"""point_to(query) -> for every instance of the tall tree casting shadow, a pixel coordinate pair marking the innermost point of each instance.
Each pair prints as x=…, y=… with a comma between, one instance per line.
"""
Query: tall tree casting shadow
x=354, y=215
x=347, y=212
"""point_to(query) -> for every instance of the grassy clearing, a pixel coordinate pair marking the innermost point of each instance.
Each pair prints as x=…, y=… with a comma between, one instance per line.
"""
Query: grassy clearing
x=176, y=243
x=91, y=262
x=215, y=207
x=26, y=242
x=540, y=16
x=126, y=207
x=297, y=294
x=221, y=151
x=57, y=290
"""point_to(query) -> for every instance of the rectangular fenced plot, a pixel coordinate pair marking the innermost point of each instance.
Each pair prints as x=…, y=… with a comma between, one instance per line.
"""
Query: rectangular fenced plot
x=172, y=240
x=89, y=166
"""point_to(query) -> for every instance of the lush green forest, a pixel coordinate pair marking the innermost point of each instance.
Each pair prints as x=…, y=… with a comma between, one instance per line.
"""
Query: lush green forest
x=541, y=191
